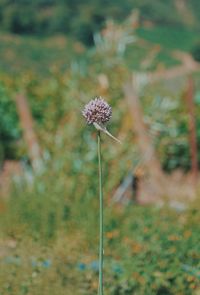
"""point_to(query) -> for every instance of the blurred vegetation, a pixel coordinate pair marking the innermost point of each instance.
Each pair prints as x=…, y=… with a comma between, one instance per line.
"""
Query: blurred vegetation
x=196, y=51
x=81, y=19
x=49, y=81
x=9, y=125
x=144, y=253
x=181, y=38
x=52, y=217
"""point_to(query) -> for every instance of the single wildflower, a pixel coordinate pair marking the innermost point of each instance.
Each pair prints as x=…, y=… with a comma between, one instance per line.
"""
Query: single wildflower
x=98, y=112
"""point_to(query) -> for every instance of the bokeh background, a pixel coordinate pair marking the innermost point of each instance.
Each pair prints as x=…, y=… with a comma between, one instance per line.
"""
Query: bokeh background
x=143, y=57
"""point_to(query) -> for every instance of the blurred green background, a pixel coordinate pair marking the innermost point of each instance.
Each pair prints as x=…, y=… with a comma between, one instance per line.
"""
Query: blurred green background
x=59, y=55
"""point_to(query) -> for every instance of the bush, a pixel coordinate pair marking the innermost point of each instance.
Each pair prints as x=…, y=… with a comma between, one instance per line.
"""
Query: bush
x=196, y=52
x=9, y=125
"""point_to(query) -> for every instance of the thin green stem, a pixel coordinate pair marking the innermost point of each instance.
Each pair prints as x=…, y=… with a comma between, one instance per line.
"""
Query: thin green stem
x=101, y=218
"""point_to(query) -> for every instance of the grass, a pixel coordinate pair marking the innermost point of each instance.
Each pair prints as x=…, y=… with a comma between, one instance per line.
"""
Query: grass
x=170, y=37
x=41, y=55
x=144, y=254
x=137, y=53
x=48, y=237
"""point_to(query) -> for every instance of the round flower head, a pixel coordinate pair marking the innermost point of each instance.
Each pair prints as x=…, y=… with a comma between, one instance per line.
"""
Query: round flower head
x=97, y=111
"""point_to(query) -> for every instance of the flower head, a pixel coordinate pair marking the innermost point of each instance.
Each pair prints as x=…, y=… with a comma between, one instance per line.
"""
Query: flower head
x=97, y=111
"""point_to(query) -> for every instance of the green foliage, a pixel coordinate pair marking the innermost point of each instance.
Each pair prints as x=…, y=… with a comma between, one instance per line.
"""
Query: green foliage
x=144, y=251
x=136, y=54
x=77, y=18
x=160, y=12
x=36, y=56
x=170, y=37
x=81, y=19
x=196, y=52
x=170, y=131
x=52, y=216
x=9, y=125
x=47, y=97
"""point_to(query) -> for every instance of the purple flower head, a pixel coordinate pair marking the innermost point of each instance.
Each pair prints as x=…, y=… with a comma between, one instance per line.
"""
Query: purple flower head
x=97, y=111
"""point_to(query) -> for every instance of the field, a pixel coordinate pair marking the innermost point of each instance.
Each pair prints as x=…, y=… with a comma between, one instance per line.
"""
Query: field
x=143, y=252
x=49, y=219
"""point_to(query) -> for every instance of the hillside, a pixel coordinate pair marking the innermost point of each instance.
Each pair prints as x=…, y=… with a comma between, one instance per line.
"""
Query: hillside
x=82, y=19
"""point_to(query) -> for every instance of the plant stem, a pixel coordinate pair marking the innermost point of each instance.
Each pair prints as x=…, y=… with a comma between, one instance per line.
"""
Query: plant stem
x=101, y=218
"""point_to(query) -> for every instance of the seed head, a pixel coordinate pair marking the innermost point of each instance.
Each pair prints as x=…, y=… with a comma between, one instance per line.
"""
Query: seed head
x=97, y=111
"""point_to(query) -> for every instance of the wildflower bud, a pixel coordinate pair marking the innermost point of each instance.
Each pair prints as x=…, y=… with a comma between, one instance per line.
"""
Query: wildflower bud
x=97, y=111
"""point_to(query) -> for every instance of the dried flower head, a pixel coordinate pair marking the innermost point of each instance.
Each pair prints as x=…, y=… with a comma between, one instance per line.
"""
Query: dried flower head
x=97, y=111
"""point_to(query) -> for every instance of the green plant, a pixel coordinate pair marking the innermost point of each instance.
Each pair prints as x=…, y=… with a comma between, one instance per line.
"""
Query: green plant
x=196, y=52
x=98, y=112
x=9, y=125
